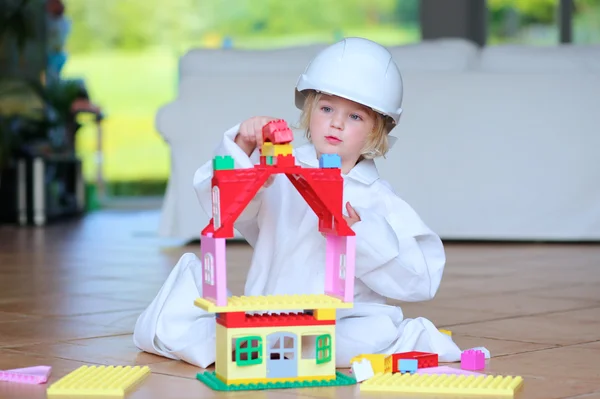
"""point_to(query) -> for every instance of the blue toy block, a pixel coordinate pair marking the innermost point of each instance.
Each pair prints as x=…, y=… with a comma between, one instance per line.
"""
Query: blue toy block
x=330, y=161
x=407, y=365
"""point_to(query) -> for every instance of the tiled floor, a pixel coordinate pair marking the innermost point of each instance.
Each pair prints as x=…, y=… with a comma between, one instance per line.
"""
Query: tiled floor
x=70, y=295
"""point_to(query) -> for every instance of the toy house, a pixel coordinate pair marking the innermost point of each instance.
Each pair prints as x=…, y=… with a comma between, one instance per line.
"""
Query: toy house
x=267, y=348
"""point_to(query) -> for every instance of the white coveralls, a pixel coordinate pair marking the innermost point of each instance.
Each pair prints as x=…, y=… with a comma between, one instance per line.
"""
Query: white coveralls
x=397, y=256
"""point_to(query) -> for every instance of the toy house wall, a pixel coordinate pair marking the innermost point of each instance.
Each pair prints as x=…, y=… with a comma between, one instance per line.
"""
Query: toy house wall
x=305, y=366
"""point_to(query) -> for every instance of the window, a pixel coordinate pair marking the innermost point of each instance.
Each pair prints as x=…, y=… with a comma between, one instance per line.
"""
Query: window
x=216, y=205
x=209, y=269
x=343, y=266
x=586, y=21
x=323, y=348
x=248, y=350
x=532, y=22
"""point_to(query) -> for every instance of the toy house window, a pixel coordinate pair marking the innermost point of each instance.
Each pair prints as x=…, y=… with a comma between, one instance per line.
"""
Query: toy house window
x=209, y=269
x=248, y=350
x=343, y=266
x=323, y=348
x=216, y=207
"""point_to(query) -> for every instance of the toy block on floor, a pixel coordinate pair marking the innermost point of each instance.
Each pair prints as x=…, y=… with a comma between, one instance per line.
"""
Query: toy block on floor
x=472, y=360
x=27, y=375
x=330, y=161
x=424, y=359
x=362, y=370
x=223, y=163
x=443, y=384
x=407, y=365
x=377, y=361
x=103, y=381
x=447, y=332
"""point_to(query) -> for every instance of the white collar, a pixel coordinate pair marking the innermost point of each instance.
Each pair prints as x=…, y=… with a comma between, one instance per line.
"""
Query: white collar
x=364, y=172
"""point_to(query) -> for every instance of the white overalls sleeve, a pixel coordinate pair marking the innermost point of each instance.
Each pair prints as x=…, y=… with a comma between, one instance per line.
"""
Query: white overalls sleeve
x=246, y=222
x=397, y=255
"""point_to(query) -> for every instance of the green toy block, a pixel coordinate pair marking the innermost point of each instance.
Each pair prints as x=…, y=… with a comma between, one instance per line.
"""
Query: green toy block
x=211, y=380
x=223, y=163
x=270, y=160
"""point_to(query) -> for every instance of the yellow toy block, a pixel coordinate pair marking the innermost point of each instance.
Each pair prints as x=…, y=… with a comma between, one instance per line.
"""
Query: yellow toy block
x=447, y=332
x=103, y=381
x=443, y=384
x=324, y=314
x=377, y=361
x=273, y=302
x=272, y=150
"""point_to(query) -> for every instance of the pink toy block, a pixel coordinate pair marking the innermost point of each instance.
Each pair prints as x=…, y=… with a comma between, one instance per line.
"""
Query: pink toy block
x=472, y=360
x=446, y=370
x=214, y=277
x=339, y=274
x=27, y=375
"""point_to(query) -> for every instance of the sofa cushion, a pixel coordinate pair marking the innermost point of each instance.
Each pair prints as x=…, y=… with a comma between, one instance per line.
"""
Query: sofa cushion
x=534, y=59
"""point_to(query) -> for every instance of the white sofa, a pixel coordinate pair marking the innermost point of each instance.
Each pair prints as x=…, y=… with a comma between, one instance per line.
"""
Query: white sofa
x=500, y=143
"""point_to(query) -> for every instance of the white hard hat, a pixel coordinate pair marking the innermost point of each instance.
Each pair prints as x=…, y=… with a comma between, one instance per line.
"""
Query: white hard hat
x=359, y=70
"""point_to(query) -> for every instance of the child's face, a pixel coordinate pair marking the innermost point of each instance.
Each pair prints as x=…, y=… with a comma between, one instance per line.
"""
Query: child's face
x=340, y=126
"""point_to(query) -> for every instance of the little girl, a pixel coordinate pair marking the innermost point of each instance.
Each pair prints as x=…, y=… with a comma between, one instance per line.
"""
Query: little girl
x=350, y=96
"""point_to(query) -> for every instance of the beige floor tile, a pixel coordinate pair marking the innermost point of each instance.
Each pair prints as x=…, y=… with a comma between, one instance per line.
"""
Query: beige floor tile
x=517, y=304
x=40, y=330
x=115, y=350
x=124, y=320
x=578, y=363
x=66, y=305
x=442, y=316
x=498, y=347
x=565, y=328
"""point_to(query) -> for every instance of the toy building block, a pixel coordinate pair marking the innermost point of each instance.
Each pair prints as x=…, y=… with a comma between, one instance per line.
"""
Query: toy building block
x=330, y=161
x=277, y=132
x=485, y=351
x=273, y=150
x=407, y=365
x=424, y=359
x=362, y=370
x=27, y=375
x=478, y=386
x=223, y=163
x=472, y=360
x=339, y=271
x=447, y=332
x=377, y=361
x=99, y=381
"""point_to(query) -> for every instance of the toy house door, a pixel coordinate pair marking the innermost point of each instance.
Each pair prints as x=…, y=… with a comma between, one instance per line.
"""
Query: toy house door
x=282, y=355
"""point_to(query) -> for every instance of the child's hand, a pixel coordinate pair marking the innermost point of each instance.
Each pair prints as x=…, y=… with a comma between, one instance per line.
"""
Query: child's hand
x=250, y=135
x=351, y=218
x=352, y=215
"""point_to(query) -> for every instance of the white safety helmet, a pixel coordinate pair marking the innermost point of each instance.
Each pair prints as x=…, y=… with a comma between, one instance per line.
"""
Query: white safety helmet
x=359, y=70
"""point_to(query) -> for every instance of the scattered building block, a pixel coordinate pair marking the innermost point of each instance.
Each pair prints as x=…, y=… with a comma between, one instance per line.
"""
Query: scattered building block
x=447, y=332
x=99, y=381
x=484, y=350
x=377, y=361
x=472, y=360
x=478, y=386
x=407, y=365
x=424, y=359
x=330, y=161
x=362, y=370
x=27, y=375
x=446, y=370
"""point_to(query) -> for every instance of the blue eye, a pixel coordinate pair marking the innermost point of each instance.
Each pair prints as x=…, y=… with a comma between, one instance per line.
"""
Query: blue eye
x=326, y=109
x=356, y=117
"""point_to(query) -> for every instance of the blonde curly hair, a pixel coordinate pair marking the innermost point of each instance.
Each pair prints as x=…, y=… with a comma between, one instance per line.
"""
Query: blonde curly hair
x=377, y=144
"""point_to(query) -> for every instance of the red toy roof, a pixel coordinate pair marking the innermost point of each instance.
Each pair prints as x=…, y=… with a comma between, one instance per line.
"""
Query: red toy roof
x=321, y=188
